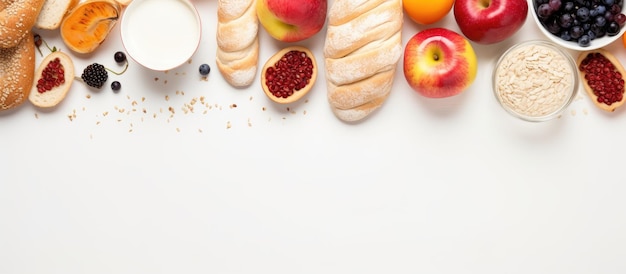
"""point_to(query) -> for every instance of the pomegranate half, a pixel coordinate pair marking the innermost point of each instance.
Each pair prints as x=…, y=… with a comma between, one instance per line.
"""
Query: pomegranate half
x=53, y=79
x=603, y=78
x=289, y=74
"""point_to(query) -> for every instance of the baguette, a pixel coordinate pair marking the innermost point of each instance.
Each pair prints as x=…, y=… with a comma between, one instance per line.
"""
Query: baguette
x=52, y=13
x=237, y=41
x=17, y=18
x=362, y=48
x=17, y=71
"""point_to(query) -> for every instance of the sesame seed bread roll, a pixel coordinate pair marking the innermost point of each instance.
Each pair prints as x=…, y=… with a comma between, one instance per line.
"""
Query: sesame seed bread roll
x=17, y=73
x=237, y=41
x=17, y=18
x=362, y=48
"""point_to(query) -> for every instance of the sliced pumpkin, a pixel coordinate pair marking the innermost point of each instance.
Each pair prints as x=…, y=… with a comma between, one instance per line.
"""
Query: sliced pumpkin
x=88, y=24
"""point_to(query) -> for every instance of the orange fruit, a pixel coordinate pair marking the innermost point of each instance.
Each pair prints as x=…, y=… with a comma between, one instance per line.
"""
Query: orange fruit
x=427, y=11
x=88, y=24
x=624, y=40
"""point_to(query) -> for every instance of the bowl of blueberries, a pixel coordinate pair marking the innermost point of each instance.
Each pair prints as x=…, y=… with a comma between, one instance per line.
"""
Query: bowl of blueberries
x=580, y=24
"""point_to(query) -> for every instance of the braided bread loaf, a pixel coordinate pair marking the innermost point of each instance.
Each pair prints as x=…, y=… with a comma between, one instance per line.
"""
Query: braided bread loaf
x=362, y=49
x=237, y=41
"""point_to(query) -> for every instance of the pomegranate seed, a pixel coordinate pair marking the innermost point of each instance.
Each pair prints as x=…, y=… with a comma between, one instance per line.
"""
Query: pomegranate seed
x=291, y=73
x=606, y=82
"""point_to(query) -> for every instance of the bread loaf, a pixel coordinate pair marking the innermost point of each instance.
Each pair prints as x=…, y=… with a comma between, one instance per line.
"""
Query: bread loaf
x=17, y=70
x=17, y=18
x=237, y=41
x=52, y=13
x=362, y=48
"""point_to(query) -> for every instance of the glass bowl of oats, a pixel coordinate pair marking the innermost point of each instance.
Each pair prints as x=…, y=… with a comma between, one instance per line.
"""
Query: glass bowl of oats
x=535, y=80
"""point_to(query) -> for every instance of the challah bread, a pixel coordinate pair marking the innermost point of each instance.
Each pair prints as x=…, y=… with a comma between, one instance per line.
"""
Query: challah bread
x=52, y=13
x=17, y=71
x=237, y=41
x=362, y=48
x=17, y=18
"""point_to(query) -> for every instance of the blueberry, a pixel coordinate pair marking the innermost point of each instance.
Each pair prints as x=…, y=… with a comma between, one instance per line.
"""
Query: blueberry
x=115, y=86
x=566, y=20
x=119, y=57
x=608, y=2
x=600, y=21
x=583, y=14
x=565, y=35
x=576, y=32
x=204, y=69
x=584, y=41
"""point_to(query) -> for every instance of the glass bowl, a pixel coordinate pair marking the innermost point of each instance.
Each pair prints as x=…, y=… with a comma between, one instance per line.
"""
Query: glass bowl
x=573, y=45
x=535, y=80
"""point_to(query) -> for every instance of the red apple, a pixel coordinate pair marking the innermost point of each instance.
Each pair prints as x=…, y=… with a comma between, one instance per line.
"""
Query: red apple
x=439, y=63
x=292, y=20
x=490, y=21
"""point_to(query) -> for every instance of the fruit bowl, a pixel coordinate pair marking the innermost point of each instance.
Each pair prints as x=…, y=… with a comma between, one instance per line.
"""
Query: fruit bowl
x=161, y=34
x=573, y=45
x=535, y=80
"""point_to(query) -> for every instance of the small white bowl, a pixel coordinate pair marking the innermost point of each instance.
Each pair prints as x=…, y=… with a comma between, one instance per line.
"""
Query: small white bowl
x=595, y=44
x=161, y=34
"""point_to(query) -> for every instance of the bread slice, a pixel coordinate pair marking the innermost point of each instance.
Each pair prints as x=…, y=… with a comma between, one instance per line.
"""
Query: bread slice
x=52, y=13
x=54, y=96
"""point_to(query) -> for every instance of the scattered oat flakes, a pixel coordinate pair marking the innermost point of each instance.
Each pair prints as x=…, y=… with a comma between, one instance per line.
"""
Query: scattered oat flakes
x=228, y=125
x=36, y=116
x=233, y=105
x=88, y=96
x=167, y=97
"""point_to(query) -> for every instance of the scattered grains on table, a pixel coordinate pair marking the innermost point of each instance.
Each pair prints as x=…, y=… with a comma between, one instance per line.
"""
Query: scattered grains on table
x=534, y=80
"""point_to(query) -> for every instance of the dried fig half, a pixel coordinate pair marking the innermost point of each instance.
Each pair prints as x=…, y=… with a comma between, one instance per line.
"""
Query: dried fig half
x=289, y=74
x=603, y=78
x=53, y=80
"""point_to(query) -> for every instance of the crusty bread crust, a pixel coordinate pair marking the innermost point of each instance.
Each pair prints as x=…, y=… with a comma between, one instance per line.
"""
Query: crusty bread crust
x=17, y=18
x=52, y=97
x=17, y=70
x=53, y=12
x=362, y=48
x=237, y=41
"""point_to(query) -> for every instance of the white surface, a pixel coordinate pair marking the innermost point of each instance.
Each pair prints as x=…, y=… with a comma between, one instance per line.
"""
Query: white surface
x=423, y=186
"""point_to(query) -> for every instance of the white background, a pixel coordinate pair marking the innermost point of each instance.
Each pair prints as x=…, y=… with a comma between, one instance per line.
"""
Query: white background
x=434, y=186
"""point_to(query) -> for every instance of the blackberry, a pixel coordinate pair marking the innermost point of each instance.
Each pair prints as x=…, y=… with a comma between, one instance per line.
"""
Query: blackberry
x=95, y=75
